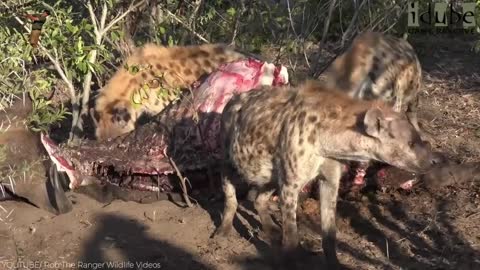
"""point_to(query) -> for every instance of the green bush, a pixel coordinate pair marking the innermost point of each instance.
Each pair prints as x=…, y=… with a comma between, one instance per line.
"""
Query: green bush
x=18, y=78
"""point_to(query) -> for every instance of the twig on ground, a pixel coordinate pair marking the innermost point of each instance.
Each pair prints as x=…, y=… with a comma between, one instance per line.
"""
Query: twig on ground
x=182, y=182
x=2, y=189
x=473, y=215
x=388, y=250
x=5, y=215
x=12, y=183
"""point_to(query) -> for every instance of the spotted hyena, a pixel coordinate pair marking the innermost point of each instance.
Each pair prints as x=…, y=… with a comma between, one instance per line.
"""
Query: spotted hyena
x=378, y=66
x=285, y=137
x=150, y=79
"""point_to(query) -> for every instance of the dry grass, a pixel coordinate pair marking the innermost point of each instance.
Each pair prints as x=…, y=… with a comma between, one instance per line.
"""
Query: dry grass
x=451, y=110
x=6, y=216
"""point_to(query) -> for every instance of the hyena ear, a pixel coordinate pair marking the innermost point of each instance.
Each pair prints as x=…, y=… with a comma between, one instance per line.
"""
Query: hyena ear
x=374, y=122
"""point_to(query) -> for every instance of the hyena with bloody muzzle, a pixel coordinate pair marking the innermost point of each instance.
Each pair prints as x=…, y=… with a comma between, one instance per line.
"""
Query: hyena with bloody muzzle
x=285, y=137
x=378, y=66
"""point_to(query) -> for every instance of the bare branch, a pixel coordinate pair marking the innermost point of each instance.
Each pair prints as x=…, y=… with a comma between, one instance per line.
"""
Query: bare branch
x=60, y=70
x=116, y=20
x=185, y=25
x=290, y=18
x=237, y=21
x=326, y=26
x=197, y=4
x=104, y=15
x=18, y=20
x=93, y=18
x=348, y=32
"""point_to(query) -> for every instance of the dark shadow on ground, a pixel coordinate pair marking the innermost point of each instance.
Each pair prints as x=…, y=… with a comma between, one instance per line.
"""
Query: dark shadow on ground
x=415, y=231
x=129, y=238
x=268, y=256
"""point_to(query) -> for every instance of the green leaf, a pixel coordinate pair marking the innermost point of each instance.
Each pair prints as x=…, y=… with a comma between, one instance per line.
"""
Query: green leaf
x=80, y=58
x=55, y=33
x=134, y=69
x=114, y=36
x=231, y=11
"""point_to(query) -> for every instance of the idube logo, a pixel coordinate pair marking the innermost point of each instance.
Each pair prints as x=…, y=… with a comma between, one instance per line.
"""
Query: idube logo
x=442, y=15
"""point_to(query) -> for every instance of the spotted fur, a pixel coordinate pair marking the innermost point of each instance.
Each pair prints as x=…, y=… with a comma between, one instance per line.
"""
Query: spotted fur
x=150, y=79
x=379, y=66
x=282, y=138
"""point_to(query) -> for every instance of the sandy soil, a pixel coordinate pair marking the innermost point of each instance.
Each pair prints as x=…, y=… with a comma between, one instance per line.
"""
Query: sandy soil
x=423, y=229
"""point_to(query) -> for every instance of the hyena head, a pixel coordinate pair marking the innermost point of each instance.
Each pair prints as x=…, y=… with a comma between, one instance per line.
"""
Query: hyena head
x=398, y=143
x=112, y=122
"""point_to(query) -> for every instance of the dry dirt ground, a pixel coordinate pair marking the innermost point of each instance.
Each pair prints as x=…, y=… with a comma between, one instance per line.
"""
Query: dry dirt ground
x=392, y=230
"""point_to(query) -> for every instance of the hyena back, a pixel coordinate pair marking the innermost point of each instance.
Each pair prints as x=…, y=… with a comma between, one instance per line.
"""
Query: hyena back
x=378, y=66
x=150, y=79
x=285, y=137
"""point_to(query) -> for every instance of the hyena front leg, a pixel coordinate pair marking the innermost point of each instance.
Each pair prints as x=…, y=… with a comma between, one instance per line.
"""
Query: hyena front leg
x=412, y=113
x=328, y=188
x=231, y=203
x=398, y=104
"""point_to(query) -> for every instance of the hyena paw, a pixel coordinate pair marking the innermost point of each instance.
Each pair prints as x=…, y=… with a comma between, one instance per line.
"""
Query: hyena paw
x=273, y=235
x=223, y=231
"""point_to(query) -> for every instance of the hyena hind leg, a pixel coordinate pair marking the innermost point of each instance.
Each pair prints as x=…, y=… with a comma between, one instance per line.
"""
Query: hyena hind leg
x=231, y=203
x=261, y=205
x=289, y=191
x=328, y=188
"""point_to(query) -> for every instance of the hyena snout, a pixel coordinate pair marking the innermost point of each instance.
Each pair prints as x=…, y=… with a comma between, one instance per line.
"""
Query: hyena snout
x=423, y=158
x=399, y=144
x=424, y=152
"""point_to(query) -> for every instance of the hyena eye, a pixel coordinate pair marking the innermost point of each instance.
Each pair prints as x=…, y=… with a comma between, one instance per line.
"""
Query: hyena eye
x=411, y=143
